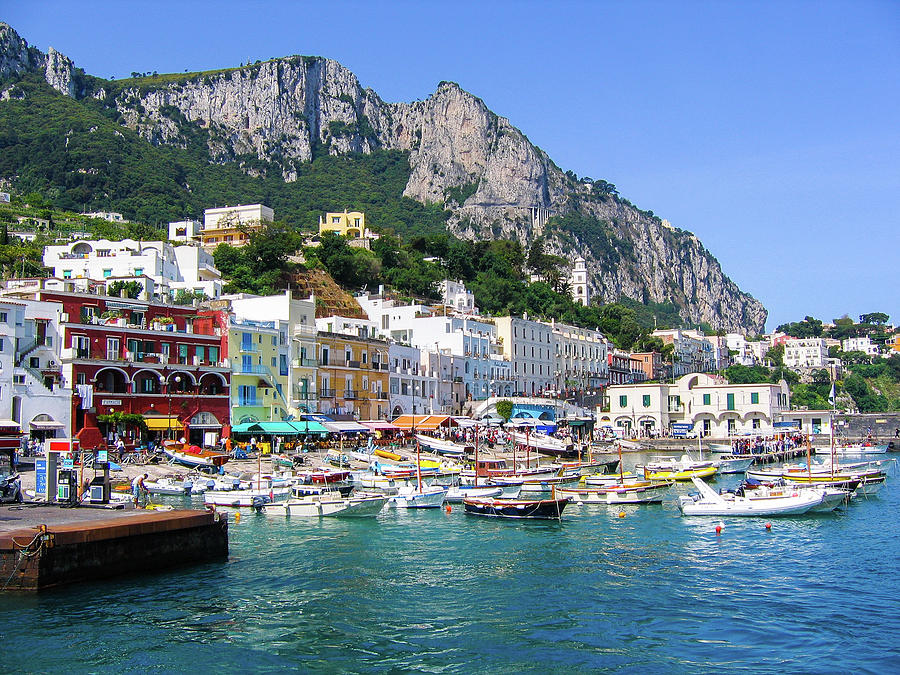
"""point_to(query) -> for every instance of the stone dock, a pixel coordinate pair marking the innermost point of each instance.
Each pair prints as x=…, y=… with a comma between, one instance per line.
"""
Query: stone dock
x=42, y=546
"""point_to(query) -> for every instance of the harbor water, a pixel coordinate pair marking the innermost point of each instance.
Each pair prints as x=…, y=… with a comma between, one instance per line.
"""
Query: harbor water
x=432, y=591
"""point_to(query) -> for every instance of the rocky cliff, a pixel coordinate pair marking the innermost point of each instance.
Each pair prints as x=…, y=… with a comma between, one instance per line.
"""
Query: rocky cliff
x=495, y=182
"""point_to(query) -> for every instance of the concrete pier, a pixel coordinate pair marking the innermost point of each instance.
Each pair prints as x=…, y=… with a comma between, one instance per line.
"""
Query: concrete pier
x=46, y=546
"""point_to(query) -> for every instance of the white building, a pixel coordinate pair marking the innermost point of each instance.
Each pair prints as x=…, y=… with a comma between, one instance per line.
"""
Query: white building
x=455, y=294
x=185, y=231
x=715, y=407
x=413, y=388
x=805, y=353
x=581, y=357
x=32, y=389
x=693, y=352
x=579, y=283
x=529, y=347
x=169, y=267
x=860, y=344
x=111, y=216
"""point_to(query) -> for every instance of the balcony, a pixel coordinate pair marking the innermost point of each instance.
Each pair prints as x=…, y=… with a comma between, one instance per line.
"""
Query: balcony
x=351, y=394
x=326, y=393
x=305, y=363
x=252, y=369
x=353, y=364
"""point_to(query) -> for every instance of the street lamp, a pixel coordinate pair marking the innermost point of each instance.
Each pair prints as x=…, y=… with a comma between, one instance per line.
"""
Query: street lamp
x=163, y=379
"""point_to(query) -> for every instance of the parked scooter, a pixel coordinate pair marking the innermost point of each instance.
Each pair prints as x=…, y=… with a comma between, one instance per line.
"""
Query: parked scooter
x=11, y=489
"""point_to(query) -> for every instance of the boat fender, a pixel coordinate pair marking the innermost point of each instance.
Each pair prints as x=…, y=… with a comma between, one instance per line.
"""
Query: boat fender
x=449, y=508
x=237, y=517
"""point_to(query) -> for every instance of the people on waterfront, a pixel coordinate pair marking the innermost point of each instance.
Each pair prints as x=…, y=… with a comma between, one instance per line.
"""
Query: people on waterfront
x=138, y=488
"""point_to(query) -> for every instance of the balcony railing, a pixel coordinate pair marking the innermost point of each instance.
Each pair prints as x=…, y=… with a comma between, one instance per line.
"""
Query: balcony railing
x=326, y=393
x=252, y=369
x=305, y=363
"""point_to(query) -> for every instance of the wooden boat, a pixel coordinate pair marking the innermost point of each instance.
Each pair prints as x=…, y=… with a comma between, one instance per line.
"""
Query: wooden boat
x=684, y=469
x=711, y=503
x=628, y=492
x=545, y=509
x=328, y=505
x=443, y=447
x=193, y=455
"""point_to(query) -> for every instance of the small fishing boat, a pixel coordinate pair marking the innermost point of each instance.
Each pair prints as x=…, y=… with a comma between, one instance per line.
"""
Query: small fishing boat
x=328, y=505
x=710, y=503
x=669, y=468
x=169, y=486
x=193, y=455
x=457, y=493
x=387, y=454
x=544, y=509
x=413, y=497
x=720, y=448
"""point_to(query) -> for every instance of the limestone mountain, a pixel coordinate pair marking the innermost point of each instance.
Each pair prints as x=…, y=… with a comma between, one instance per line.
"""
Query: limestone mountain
x=494, y=182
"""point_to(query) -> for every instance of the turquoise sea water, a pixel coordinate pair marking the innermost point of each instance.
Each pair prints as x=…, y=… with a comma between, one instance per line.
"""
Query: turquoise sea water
x=431, y=591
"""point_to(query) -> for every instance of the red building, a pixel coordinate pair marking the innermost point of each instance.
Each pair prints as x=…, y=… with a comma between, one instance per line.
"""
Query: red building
x=162, y=361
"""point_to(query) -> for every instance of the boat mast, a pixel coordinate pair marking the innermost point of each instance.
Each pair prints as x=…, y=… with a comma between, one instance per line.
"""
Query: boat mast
x=419, y=465
x=621, y=474
x=476, y=455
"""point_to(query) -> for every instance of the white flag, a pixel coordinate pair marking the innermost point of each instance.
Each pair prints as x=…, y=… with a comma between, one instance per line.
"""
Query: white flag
x=831, y=395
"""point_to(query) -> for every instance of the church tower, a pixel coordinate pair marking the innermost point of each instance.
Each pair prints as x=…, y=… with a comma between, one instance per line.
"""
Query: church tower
x=579, y=283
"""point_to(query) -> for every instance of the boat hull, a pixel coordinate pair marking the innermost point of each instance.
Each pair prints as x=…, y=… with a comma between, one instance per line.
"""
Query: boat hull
x=324, y=507
x=541, y=509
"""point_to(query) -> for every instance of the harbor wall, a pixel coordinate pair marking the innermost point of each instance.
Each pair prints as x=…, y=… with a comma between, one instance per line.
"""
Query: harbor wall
x=34, y=559
x=882, y=425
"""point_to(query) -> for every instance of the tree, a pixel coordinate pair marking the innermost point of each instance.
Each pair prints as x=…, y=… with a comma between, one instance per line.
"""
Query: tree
x=504, y=409
x=878, y=318
x=125, y=289
x=776, y=355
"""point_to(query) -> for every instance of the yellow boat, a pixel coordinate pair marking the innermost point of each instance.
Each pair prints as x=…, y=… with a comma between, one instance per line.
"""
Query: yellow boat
x=386, y=454
x=680, y=474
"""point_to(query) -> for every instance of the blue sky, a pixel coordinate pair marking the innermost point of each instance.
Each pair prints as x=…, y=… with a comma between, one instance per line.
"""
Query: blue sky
x=769, y=129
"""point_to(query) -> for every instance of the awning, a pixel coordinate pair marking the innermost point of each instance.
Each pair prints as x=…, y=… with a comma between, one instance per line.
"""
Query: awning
x=422, y=422
x=308, y=427
x=344, y=427
x=162, y=423
x=46, y=424
x=380, y=425
x=10, y=426
x=280, y=428
x=291, y=428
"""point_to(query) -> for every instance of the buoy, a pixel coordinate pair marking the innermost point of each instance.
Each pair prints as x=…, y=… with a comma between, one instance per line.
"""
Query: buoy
x=237, y=517
x=621, y=514
x=718, y=529
x=449, y=508
x=768, y=526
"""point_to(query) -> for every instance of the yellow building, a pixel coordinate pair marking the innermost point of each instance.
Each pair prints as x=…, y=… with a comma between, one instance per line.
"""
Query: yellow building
x=260, y=367
x=348, y=224
x=233, y=224
x=353, y=376
x=895, y=343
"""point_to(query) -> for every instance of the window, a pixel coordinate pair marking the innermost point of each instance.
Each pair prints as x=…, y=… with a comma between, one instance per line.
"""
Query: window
x=246, y=394
x=754, y=397
x=756, y=424
x=67, y=274
x=213, y=355
x=707, y=399
x=82, y=345
x=182, y=353
x=623, y=401
x=3, y=317
x=107, y=274
x=138, y=271
x=274, y=340
x=730, y=402
x=646, y=400
x=274, y=362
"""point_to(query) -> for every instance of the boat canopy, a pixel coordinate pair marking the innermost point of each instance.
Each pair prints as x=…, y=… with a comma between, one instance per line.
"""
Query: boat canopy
x=423, y=422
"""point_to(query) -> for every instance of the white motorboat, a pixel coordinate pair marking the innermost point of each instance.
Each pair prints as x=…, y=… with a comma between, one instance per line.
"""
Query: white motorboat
x=733, y=463
x=169, y=486
x=244, y=498
x=544, y=444
x=412, y=497
x=854, y=450
x=328, y=504
x=457, y=493
x=790, y=502
x=720, y=448
x=443, y=447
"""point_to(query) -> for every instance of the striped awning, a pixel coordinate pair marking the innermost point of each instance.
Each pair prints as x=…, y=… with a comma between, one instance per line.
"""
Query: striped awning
x=422, y=422
x=380, y=425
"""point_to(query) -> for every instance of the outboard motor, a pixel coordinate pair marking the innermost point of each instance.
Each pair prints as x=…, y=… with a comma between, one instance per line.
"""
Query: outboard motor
x=258, y=502
x=11, y=488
